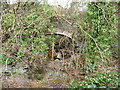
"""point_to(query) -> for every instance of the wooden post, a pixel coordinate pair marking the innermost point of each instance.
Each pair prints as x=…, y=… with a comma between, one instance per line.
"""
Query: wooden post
x=53, y=45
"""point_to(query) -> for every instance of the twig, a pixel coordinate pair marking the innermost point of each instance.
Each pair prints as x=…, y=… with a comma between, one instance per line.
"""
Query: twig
x=103, y=12
x=63, y=19
x=89, y=36
x=94, y=42
x=6, y=67
x=70, y=24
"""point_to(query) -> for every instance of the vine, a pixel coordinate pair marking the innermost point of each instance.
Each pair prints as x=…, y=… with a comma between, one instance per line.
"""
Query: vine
x=101, y=31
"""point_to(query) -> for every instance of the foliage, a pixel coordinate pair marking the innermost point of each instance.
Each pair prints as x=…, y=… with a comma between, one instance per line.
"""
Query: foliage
x=26, y=24
x=100, y=80
x=100, y=31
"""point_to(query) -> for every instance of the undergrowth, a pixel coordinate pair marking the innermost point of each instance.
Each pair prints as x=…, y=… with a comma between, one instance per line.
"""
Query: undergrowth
x=99, y=80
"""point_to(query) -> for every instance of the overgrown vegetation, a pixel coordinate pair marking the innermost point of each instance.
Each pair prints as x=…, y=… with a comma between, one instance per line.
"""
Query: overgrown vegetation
x=28, y=34
x=24, y=32
x=100, y=30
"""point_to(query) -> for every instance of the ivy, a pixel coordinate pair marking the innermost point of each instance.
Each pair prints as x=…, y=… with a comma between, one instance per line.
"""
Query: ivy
x=102, y=31
x=27, y=31
x=101, y=80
